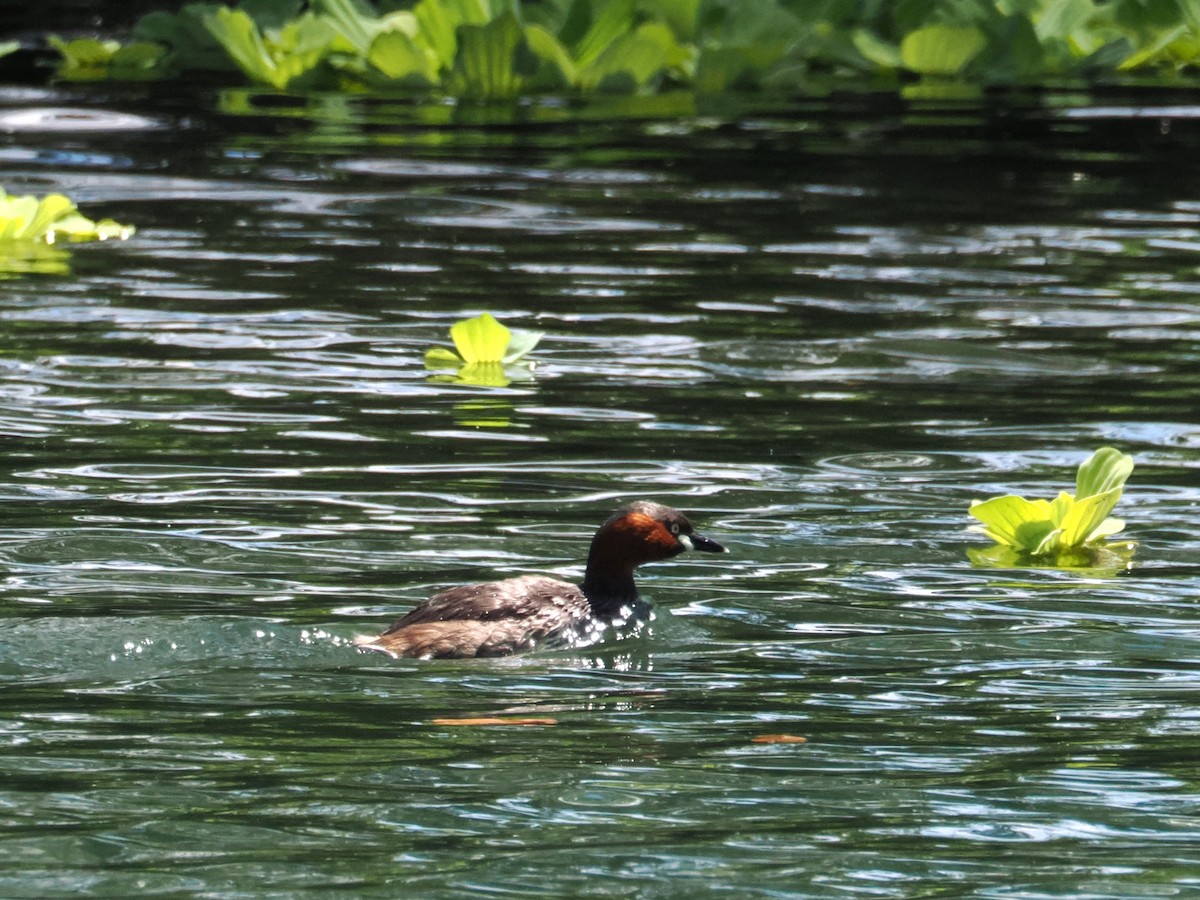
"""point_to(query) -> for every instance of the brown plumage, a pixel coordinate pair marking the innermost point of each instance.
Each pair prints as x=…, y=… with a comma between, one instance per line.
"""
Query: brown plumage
x=499, y=618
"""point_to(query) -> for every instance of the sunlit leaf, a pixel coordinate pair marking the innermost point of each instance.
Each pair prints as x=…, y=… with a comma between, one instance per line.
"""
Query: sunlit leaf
x=481, y=339
x=399, y=55
x=440, y=21
x=484, y=347
x=941, y=49
x=1014, y=521
x=352, y=21
x=84, y=52
x=1085, y=516
x=54, y=216
x=1066, y=525
x=442, y=358
x=1104, y=470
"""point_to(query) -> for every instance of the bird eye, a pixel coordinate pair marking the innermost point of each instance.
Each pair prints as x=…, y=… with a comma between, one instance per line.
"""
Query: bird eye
x=674, y=528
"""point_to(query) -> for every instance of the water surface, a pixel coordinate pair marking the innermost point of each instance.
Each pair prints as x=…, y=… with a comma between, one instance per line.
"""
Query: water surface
x=821, y=328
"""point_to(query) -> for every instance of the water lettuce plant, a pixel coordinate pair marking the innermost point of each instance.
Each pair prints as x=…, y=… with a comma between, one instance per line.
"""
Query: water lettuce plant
x=484, y=348
x=89, y=59
x=50, y=218
x=499, y=49
x=1069, y=525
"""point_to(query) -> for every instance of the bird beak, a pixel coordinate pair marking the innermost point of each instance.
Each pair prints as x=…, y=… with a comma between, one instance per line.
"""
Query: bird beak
x=700, y=542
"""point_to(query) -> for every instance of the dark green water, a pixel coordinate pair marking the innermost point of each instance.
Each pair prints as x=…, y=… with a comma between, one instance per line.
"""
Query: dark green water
x=821, y=329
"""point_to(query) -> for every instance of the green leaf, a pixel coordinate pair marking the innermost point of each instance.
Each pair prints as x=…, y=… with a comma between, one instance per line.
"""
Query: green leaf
x=440, y=20
x=680, y=15
x=614, y=20
x=140, y=55
x=1107, y=528
x=548, y=48
x=239, y=35
x=1068, y=524
x=520, y=343
x=275, y=60
x=941, y=49
x=82, y=53
x=398, y=55
x=1154, y=51
x=1085, y=516
x=1104, y=470
x=352, y=21
x=51, y=211
x=486, y=66
x=633, y=58
x=481, y=339
x=28, y=219
x=1015, y=521
x=192, y=45
x=884, y=54
x=441, y=358
x=1058, y=19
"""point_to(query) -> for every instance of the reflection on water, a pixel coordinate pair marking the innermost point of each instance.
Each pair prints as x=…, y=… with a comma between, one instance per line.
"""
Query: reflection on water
x=820, y=330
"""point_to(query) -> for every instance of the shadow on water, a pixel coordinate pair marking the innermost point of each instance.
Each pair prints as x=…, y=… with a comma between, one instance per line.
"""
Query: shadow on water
x=821, y=329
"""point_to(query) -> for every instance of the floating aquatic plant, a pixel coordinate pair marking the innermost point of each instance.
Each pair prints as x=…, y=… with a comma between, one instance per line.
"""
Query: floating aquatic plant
x=498, y=49
x=89, y=59
x=50, y=218
x=272, y=56
x=484, y=348
x=1065, y=529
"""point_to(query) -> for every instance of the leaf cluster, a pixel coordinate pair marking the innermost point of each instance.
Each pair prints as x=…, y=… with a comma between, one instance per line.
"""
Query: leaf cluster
x=497, y=49
x=485, y=347
x=1010, y=41
x=45, y=220
x=480, y=49
x=1067, y=524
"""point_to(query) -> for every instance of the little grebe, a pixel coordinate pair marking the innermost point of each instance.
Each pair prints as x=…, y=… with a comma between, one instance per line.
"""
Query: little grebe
x=499, y=618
